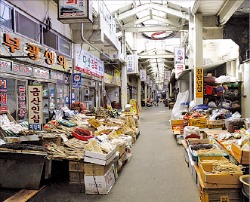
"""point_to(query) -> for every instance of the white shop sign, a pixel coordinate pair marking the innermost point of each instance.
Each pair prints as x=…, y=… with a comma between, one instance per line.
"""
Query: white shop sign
x=88, y=63
x=143, y=75
x=132, y=64
x=35, y=107
x=179, y=61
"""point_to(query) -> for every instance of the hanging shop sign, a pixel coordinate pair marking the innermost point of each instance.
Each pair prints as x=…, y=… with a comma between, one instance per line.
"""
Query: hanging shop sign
x=73, y=11
x=22, y=102
x=150, y=83
x=167, y=76
x=117, y=77
x=179, y=61
x=179, y=56
x=73, y=97
x=143, y=75
x=22, y=69
x=35, y=107
x=147, y=79
x=178, y=70
x=3, y=96
x=57, y=75
x=76, y=80
x=132, y=64
x=108, y=79
x=41, y=73
x=5, y=66
x=14, y=45
x=199, y=83
x=88, y=63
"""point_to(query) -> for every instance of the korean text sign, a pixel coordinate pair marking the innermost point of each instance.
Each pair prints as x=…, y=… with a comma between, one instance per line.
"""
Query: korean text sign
x=88, y=63
x=179, y=61
x=3, y=95
x=76, y=80
x=35, y=107
x=199, y=83
x=22, y=109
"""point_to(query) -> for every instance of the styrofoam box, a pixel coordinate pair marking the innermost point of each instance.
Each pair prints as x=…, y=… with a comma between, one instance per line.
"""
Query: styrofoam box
x=100, y=184
x=100, y=159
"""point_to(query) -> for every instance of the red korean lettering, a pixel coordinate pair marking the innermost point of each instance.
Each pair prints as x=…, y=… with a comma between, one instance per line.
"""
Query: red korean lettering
x=12, y=43
x=71, y=2
x=3, y=98
x=49, y=57
x=61, y=61
x=33, y=51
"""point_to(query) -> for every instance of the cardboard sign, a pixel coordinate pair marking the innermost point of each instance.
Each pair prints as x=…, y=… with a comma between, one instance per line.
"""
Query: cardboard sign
x=35, y=107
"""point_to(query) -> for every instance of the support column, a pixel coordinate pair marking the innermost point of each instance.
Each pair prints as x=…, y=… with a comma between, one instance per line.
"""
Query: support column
x=139, y=93
x=170, y=90
x=198, y=51
x=124, y=78
x=146, y=92
x=190, y=86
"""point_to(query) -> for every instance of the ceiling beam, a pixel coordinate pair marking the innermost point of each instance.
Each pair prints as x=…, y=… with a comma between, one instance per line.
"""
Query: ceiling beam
x=228, y=10
x=170, y=11
x=139, y=21
x=150, y=29
x=157, y=56
x=167, y=21
x=148, y=6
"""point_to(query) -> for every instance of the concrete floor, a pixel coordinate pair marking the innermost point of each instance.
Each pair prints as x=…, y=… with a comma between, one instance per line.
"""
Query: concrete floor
x=157, y=171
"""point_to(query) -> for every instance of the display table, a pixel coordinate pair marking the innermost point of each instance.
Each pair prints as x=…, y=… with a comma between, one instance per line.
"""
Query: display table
x=21, y=169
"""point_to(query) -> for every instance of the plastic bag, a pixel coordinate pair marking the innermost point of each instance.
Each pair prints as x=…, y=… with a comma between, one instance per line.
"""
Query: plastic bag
x=236, y=115
x=212, y=104
x=191, y=132
x=2, y=142
x=177, y=109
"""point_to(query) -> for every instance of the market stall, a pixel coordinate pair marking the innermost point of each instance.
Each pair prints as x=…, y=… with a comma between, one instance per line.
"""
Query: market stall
x=94, y=145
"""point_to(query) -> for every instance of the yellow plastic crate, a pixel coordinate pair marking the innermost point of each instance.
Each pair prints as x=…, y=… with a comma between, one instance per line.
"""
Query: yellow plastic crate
x=198, y=122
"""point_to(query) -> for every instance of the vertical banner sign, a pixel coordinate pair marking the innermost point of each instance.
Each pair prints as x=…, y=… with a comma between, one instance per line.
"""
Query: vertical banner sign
x=199, y=83
x=35, y=107
x=147, y=79
x=143, y=75
x=132, y=64
x=167, y=76
x=3, y=95
x=76, y=80
x=179, y=61
x=22, y=102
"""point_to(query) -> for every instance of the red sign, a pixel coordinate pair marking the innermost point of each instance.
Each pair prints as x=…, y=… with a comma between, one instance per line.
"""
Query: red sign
x=3, y=95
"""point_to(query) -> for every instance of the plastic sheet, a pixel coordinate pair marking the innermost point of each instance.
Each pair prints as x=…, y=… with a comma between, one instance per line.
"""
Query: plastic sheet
x=177, y=109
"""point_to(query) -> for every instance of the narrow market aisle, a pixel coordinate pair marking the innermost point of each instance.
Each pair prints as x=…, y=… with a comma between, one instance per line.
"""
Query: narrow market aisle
x=157, y=171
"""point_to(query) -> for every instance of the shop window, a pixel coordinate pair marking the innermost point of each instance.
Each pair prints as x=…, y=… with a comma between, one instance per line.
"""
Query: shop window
x=64, y=46
x=50, y=39
x=11, y=96
x=6, y=15
x=27, y=27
